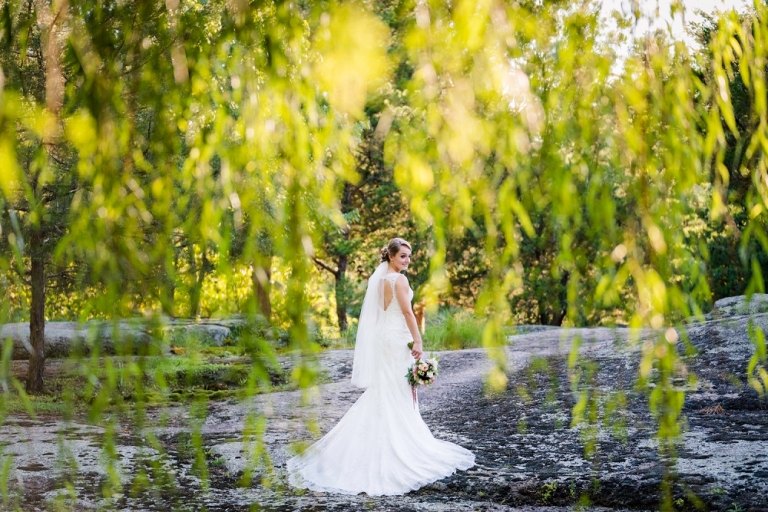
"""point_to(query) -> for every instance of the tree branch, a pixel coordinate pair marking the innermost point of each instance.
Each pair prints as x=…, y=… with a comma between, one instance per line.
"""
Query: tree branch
x=324, y=266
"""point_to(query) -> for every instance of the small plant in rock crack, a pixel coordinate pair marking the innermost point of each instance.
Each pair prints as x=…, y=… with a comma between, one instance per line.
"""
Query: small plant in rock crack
x=548, y=491
x=595, y=486
x=735, y=508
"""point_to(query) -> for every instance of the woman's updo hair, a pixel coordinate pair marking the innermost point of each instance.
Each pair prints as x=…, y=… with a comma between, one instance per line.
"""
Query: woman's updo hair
x=392, y=248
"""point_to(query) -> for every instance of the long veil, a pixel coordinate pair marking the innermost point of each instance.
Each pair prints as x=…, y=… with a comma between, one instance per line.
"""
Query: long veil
x=368, y=329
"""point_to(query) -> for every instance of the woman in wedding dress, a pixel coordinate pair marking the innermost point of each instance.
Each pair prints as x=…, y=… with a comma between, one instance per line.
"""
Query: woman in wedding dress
x=381, y=446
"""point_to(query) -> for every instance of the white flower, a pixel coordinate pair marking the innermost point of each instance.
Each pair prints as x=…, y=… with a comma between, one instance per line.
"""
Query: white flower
x=430, y=374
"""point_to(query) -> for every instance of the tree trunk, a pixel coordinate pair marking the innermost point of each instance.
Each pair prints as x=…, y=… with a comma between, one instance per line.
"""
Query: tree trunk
x=561, y=308
x=169, y=283
x=53, y=41
x=36, y=368
x=543, y=315
x=341, y=265
x=198, y=273
x=341, y=293
x=261, y=274
x=419, y=311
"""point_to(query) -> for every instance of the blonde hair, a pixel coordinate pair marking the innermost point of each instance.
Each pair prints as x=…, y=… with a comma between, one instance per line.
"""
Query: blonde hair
x=392, y=248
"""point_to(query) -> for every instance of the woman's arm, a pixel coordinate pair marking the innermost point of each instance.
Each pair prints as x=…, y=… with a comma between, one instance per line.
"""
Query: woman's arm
x=401, y=292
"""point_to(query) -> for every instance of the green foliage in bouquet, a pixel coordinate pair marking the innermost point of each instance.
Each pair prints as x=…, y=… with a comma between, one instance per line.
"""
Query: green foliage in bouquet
x=423, y=372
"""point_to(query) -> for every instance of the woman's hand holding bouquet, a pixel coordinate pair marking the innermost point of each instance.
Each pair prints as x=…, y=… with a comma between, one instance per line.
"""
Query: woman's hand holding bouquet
x=422, y=372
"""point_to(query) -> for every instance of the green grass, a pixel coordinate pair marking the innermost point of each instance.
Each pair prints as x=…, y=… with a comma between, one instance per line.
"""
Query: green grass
x=347, y=339
x=77, y=386
x=197, y=370
x=448, y=329
x=15, y=403
x=453, y=329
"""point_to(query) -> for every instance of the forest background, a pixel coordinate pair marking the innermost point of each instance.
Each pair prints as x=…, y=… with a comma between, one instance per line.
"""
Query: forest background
x=369, y=207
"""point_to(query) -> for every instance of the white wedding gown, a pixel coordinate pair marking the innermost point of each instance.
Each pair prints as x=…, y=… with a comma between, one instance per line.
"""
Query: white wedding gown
x=381, y=446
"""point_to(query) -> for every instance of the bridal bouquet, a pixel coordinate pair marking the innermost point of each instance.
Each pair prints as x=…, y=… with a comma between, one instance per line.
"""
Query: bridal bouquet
x=422, y=372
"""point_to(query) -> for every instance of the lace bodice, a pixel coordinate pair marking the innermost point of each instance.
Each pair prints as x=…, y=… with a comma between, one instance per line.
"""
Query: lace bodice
x=394, y=305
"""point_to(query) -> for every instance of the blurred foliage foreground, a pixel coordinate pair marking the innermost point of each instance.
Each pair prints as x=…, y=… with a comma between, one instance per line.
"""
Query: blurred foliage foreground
x=179, y=158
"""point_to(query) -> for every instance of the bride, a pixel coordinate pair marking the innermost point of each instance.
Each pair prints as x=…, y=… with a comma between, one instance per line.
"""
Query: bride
x=381, y=446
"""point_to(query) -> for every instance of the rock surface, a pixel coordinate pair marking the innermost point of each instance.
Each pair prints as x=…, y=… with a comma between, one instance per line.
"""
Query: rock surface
x=528, y=455
x=126, y=337
x=739, y=306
